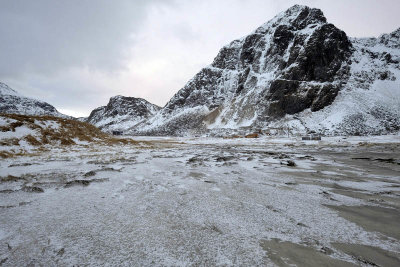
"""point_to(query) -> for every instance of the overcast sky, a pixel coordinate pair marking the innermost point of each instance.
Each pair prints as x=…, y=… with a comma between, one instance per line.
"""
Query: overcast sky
x=76, y=54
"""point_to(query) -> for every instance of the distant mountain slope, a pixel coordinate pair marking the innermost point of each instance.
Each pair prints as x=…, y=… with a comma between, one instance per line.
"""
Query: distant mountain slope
x=122, y=113
x=297, y=70
x=11, y=102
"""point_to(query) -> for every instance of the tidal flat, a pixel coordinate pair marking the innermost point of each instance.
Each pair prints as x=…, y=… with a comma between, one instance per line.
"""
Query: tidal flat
x=204, y=201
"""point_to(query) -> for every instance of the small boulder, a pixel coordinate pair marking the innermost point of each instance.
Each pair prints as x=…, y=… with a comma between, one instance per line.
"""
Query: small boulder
x=32, y=189
x=291, y=163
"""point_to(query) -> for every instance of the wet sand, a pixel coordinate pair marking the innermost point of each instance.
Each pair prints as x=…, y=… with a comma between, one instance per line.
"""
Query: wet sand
x=196, y=202
x=372, y=218
x=368, y=255
x=289, y=254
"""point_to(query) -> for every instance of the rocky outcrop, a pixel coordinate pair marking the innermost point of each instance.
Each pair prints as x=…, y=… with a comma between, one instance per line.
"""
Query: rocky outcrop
x=121, y=113
x=369, y=103
x=390, y=40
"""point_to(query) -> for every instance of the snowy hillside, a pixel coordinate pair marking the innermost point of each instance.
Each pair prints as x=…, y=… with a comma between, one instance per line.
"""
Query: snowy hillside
x=296, y=70
x=11, y=102
x=370, y=101
x=21, y=134
x=122, y=113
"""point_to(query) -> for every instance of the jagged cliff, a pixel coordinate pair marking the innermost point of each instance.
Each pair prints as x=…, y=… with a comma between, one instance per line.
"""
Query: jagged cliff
x=296, y=71
x=295, y=65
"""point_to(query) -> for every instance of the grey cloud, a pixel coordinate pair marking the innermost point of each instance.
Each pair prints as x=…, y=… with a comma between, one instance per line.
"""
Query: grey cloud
x=46, y=36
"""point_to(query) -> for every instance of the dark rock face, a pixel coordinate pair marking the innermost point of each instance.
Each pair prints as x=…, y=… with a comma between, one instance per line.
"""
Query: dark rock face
x=227, y=57
x=121, y=109
x=321, y=57
x=197, y=92
x=391, y=40
x=282, y=36
x=305, y=16
x=285, y=97
x=290, y=64
x=249, y=49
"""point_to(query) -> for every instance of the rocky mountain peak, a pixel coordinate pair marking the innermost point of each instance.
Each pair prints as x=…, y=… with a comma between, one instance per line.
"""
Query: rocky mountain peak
x=296, y=63
x=298, y=41
x=121, y=98
x=123, y=105
x=391, y=40
x=293, y=62
x=295, y=18
x=122, y=110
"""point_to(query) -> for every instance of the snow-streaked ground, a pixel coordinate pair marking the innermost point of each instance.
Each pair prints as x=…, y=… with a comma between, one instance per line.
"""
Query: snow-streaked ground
x=199, y=201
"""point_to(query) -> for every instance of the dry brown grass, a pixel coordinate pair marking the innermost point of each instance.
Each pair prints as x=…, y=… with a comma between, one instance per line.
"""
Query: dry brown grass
x=10, y=178
x=11, y=127
x=253, y=135
x=232, y=137
x=32, y=140
x=119, y=141
x=9, y=142
x=367, y=144
x=5, y=154
x=67, y=131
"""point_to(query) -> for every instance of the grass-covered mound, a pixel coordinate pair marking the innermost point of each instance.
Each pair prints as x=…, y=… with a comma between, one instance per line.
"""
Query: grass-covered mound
x=21, y=133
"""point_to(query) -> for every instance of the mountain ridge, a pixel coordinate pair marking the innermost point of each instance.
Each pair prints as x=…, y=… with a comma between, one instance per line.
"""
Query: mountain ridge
x=294, y=62
x=290, y=71
x=12, y=102
x=296, y=71
x=122, y=112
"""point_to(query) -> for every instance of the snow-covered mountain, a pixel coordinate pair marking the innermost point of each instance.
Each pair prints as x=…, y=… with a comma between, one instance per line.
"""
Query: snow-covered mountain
x=370, y=101
x=11, y=102
x=296, y=70
x=122, y=113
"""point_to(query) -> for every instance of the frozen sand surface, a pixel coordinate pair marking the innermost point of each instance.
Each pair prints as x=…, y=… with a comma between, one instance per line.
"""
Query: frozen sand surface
x=185, y=201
